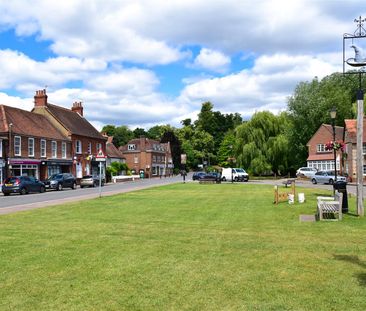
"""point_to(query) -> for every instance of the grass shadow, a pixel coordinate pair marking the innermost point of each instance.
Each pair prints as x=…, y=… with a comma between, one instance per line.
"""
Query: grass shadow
x=361, y=277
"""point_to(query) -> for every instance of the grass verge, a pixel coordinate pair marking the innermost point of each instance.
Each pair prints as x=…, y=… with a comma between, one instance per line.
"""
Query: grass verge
x=182, y=247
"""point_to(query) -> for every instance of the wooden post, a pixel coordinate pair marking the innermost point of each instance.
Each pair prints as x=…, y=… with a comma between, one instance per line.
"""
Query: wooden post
x=360, y=208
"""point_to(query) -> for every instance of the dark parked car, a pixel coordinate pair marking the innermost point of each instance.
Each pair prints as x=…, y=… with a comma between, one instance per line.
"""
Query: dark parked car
x=198, y=175
x=90, y=181
x=22, y=185
x=213, y=176
x=60, y=181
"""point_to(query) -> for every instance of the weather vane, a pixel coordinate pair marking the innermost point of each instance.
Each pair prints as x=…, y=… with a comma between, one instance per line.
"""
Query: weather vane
x=358, y=59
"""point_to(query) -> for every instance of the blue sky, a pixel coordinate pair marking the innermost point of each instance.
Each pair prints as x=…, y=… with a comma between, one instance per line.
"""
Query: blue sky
x=147, y=62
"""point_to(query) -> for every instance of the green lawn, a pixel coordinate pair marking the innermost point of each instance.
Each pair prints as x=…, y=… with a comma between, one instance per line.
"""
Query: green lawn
x=183, y=247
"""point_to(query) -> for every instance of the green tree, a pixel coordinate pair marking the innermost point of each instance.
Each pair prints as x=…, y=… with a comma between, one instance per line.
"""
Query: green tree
x=309, y=107
x=262, y=144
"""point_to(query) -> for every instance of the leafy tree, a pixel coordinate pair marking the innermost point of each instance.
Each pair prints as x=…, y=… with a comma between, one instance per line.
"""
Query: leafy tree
x=226, y=150
x=122, y=135
x=262, y=146
x=175, y=146
x=309, y=107
x=138, y=132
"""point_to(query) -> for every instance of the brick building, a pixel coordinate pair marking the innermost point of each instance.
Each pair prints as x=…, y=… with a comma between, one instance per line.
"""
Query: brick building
x=113, y=154
x=148, y=156
x=31, y=145
x=86, y=141
x=350, y=139
x=320, y=158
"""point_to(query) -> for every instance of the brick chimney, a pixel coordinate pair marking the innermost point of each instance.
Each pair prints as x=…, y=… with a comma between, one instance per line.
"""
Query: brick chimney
x=40, y=99
x=77, y=107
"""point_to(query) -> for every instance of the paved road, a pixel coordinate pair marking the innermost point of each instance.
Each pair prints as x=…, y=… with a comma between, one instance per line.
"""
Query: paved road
x=14, y=203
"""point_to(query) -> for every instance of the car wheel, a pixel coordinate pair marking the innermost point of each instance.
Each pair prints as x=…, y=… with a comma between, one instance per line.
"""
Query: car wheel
x=314, y=181
x=94, y=184
x=331, y=181
x=59, y=187
x=73, y=187
x=42, y=189
x=81, y=187
x=23, y=191
x=6, y=194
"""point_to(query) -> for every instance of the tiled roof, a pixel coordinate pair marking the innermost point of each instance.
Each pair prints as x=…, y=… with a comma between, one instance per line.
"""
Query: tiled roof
x=327, y=127
x=73, y=122
x=321, y=157
x=351, y=130
x=27, y=123
x=113, y=152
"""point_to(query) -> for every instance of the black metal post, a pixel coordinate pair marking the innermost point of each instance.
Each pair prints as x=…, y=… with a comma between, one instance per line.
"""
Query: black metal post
x=335, y=151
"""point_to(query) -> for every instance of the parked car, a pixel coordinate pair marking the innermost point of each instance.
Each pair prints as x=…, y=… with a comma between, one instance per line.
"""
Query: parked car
x=22, y=185
x=237, y=174
x=213, y=176
x=60, y=181
x=326, y=177
x=198, y=175
x=90, y=181
x=306, y=172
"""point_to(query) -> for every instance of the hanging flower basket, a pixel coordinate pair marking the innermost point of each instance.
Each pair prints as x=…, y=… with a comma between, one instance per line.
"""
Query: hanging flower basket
x=335, y=145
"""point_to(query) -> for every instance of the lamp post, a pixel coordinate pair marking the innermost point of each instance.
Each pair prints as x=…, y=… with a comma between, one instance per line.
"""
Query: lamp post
x=231, y=162
x=333, y=114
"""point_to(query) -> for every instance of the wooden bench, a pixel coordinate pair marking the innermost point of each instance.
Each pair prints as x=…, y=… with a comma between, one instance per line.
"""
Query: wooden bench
x=288, y=182
x=330, y=206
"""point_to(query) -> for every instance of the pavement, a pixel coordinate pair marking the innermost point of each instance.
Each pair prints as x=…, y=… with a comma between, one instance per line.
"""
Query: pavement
x=134, y=186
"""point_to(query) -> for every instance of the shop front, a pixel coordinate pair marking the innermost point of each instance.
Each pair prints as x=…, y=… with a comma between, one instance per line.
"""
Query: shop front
x=54, y=166
x=24, y=167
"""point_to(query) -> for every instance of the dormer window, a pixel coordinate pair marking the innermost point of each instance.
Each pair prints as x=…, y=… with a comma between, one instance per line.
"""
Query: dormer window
x=131, y=147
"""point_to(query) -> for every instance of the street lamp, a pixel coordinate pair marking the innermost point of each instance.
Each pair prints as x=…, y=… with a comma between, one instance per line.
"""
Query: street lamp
x=333, y=114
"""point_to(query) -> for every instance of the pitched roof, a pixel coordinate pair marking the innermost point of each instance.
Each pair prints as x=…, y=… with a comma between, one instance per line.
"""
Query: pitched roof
x=351, y=130
x=74, y=122
x=339, y=130
x=27, y=123
x=112, y=151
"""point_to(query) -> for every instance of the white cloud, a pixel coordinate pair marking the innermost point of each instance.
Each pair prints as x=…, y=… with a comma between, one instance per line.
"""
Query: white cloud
x=212, y=60
x=115, y=53
x=268, y=84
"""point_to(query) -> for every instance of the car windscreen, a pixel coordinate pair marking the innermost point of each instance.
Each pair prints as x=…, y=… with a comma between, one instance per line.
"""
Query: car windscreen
x=240, y=170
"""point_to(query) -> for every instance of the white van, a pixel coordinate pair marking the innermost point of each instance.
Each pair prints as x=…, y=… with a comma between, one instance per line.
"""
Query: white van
x=238, y=174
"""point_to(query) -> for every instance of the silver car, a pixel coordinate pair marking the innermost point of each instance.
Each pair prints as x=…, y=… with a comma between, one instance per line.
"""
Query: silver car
x=326, y=177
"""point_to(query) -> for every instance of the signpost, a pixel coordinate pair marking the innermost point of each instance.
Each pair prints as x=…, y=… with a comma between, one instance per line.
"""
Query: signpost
x=100, y=158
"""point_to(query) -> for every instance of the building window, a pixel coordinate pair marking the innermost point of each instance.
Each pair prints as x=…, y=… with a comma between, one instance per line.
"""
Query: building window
x=136, y=160
x=131, y=147
x=54, y=149
x=99, y=146
x=1, y=149
x=63, y=150
x=364, y=148
x=17, y=146
x=89, y=148
x=78, y=146
x=43, y=148
x=30, y=147
x=321, y=148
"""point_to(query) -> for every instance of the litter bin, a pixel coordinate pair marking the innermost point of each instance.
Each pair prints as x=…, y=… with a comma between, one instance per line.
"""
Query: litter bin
x=142, y=174
x=341, y=186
